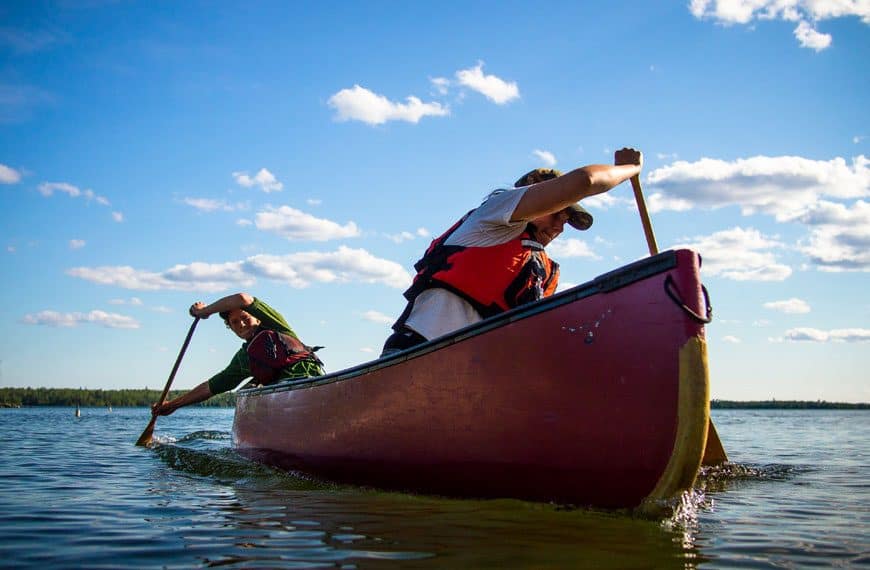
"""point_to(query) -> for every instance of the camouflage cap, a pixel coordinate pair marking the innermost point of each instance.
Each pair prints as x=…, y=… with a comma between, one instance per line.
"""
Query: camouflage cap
x=578, y=217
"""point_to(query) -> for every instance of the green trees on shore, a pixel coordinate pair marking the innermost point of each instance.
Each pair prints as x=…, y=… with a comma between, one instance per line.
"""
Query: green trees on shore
x=15, y=397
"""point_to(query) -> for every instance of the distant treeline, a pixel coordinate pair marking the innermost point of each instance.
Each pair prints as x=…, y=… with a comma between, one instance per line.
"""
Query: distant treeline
x=97, y=398
x=145, y=397
x=786, y=405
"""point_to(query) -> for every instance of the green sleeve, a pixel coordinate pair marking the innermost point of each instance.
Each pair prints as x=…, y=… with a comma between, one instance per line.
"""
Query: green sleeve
x=231, y=376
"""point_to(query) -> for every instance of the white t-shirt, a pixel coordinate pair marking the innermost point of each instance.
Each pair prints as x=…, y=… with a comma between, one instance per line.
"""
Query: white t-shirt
x=437, y=312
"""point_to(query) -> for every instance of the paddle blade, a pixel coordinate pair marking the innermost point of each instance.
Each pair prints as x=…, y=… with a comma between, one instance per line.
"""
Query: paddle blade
x=145, y=439
x=714, y=452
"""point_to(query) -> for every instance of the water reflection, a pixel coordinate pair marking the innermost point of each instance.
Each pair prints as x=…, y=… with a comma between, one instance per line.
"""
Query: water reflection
x=268, y=518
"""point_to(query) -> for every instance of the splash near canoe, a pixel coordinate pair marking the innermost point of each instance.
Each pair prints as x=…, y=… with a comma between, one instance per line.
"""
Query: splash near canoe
x=598, y=395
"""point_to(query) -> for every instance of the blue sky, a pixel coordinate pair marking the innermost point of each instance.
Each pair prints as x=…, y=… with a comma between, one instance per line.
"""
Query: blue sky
x=153, y=154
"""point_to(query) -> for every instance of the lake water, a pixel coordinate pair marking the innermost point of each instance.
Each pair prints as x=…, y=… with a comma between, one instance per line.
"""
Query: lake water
x=76, y=493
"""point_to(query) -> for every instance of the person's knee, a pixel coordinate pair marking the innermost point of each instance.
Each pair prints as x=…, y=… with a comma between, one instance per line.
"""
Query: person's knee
x=401, y=340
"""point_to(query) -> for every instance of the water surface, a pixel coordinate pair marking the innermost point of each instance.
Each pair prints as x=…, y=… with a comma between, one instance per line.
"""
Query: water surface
x=76, y=492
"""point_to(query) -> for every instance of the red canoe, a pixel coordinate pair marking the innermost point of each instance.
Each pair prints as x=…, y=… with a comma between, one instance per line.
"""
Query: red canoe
x=596, y=396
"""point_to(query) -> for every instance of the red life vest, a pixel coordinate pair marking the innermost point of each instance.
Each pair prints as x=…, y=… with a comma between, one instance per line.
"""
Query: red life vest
x=492, y=279
x=270, y=352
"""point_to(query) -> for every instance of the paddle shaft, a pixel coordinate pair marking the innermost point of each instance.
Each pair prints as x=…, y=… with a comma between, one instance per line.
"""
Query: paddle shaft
x=714, y=451
x=145, y=438
x=644, y=216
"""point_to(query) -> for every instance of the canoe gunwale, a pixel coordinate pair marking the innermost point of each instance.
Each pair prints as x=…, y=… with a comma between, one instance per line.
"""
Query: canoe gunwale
x=607, y=282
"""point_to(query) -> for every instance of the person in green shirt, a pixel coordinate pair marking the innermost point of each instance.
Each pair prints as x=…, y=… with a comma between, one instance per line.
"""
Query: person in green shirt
x=245, y=315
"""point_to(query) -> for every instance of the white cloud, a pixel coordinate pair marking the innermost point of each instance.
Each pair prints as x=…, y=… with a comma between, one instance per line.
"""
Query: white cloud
x=547, y=157
x=739, y=254
x=728, y=12
x=377, y=317
x=76, y=243
x=9, y=175
x=423, y=232
x=731, y=339
x=264, y=179
x=440, y=85
x=344, y=265
x=783, y=186
x=299, y=270
x=244, y=222
x=858, y=138
x=793, y=306
x=840, y=237
x=48, y=189
x=118, y=217
x=193, y=277
x=493, y=88
x=297, y=225
x=835, y=335
x=56, y=319
x=400, y=237
x=810, y=38
x=210, y=205
x=607, y=201
x=131, y=301
x=314, y=201
x=360, y=104
x=570, y=247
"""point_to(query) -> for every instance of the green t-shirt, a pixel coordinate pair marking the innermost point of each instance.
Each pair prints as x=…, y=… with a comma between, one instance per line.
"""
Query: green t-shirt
x=238, y=369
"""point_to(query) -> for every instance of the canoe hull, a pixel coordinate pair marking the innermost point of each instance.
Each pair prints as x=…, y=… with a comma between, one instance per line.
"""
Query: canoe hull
x=577, y=399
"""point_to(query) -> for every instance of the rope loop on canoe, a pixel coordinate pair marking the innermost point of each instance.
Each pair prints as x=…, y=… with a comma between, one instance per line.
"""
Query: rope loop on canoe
x=673, y=293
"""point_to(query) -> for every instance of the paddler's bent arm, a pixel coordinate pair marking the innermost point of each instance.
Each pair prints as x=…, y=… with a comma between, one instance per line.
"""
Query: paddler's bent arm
x=228, y=303
x=199, y=394
x=558, y=193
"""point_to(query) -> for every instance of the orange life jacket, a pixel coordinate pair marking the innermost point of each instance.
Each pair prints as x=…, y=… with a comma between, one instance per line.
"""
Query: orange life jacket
x=493, y=278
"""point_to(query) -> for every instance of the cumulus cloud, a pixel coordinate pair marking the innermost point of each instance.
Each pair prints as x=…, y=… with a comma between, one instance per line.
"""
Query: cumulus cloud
x=793, y=306
x=360, y=104
x=840, y=236
x=377, y=317
x=48, y=189
x=211, y=205
x=731, y=339
x=739, y=254
x=570, y=247
x=264, y=179
x=784, y=187
x=102, y=318
x=407, y=236
x=298, y=270
x=9, y=175
x=76, y=243
x=810, y=38
x=835, y=335
x=805, y=12
x=493, y=88
x=344, y=265
x=400, y=237
x=131, y=301
x=440, y=84
x=547, y=157
x=297, y=225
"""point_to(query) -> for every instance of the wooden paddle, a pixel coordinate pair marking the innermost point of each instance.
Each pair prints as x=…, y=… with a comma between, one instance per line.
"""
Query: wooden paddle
x=145, y=438
x=714, y=452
